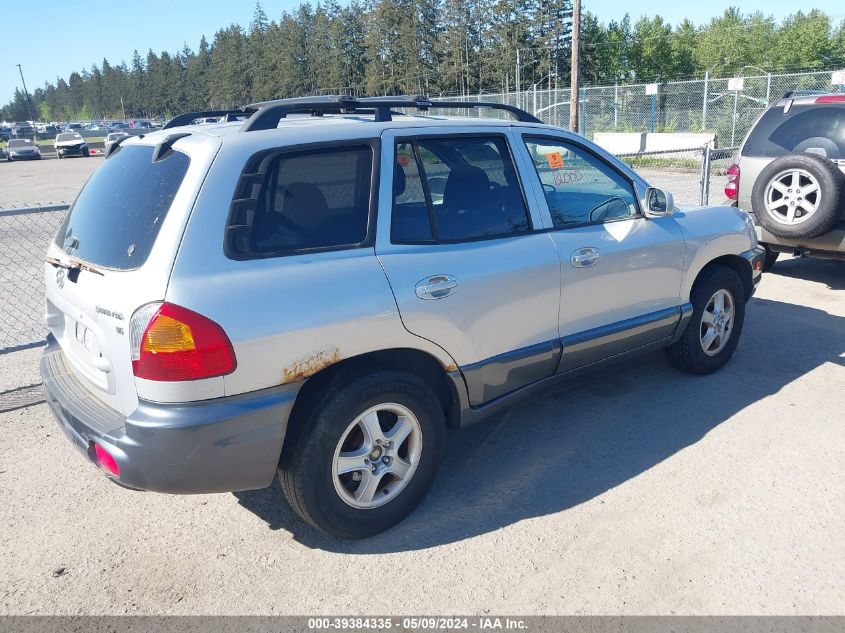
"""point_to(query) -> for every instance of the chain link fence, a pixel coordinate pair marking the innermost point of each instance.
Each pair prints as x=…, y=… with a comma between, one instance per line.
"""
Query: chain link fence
x=701, y=105
x=695, y=176
x=24, y=236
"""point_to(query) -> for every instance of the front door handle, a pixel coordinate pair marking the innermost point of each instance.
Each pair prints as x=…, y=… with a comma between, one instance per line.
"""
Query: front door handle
x=437, y=286
x=585, y=257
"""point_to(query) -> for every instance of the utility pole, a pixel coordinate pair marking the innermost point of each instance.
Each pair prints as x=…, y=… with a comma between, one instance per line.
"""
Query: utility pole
x=574, y=87
x=26, y=94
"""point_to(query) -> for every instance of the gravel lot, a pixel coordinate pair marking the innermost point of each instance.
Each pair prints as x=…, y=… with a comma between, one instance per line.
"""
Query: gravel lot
x=32, y=182
x=635, y=491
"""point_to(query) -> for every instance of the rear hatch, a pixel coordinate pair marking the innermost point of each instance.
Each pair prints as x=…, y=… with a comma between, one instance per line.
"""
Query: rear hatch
x=114, y=252
x=814, y=126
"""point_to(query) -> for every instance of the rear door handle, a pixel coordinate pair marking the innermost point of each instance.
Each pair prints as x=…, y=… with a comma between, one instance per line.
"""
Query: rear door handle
x=585, y=257
x=437, y=286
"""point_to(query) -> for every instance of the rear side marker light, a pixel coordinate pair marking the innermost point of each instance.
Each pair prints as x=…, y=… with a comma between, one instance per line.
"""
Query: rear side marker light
x=105, y=460
x=178, y=344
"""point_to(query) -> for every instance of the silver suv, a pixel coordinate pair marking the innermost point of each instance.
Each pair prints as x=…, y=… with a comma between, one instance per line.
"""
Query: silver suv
x=322, y=289
x=790, y=175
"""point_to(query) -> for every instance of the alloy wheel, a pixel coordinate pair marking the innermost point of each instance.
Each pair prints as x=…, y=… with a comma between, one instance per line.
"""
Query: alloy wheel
x=717, y=322
x=792, y=197
x=377, y=456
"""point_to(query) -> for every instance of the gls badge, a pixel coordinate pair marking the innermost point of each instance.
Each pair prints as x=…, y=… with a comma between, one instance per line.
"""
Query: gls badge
x=60, y=278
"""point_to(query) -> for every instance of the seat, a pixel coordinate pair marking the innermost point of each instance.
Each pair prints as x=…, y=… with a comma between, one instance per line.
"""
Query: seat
x=293, y=218
x=305, y=205
x=468, y=208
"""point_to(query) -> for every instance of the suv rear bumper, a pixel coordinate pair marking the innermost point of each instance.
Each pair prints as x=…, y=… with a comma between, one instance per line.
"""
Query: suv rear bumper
x=221, y=445
x=831, y=245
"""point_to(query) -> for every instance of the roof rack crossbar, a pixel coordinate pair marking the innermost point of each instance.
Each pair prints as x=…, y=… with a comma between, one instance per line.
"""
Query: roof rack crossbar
x=269, y=113
x=188, y=117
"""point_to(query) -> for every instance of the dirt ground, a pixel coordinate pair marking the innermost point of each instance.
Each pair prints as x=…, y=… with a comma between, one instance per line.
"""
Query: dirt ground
x=638, y=490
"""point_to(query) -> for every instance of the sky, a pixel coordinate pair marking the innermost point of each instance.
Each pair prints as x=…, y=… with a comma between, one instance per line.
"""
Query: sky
x=114, y=30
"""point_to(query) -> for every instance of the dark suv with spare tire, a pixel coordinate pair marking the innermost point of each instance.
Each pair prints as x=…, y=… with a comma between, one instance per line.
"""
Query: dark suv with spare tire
x=790, y=175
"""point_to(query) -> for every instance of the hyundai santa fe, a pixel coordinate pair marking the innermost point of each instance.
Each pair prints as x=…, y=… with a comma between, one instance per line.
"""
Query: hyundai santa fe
x=319, y=290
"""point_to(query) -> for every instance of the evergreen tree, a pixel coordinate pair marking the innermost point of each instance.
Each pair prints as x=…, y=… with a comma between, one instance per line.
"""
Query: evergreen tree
x=430, y=46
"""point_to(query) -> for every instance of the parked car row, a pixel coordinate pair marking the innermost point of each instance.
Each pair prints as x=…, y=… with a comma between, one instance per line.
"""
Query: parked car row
x=29, y=129
x=65, y=144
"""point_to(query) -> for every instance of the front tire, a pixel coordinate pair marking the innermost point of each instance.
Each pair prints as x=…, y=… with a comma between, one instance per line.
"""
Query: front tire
x=712, y=334
x=365, y=456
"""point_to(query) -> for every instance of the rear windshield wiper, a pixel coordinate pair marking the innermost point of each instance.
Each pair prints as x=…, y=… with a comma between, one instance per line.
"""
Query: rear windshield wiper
x=73, y=267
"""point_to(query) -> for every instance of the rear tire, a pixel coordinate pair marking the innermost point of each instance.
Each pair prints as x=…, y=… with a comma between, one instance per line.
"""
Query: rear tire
x=352, y=427
x=712, y=333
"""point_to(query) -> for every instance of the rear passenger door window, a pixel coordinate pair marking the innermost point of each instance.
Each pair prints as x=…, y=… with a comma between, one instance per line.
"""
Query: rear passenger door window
x=453, y=189
x=307, y=200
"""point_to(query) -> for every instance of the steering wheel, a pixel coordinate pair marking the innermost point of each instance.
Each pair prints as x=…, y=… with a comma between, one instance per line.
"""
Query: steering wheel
x=604, y=208
x=549, y=188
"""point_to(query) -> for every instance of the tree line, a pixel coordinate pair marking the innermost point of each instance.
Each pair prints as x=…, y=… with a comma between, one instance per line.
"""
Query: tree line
x=433, y=47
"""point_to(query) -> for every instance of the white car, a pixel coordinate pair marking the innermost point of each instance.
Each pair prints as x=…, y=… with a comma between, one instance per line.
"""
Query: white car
x=70, y=144
x=112, y=138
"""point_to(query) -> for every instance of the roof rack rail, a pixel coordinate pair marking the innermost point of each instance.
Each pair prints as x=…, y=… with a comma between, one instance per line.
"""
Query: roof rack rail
x=269, y=113
x=188, y=117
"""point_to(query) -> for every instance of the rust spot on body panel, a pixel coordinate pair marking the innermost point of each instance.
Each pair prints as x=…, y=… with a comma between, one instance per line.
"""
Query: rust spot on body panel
x=310, y=364
x=451, y=367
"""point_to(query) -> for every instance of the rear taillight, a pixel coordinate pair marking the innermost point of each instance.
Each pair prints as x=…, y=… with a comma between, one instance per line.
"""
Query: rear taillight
x=732, y=187
x=172, y=343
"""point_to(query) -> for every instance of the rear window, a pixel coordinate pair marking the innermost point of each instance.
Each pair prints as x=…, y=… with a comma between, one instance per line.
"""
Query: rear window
x=116, y=218
x=312, y=199
x=817, y=129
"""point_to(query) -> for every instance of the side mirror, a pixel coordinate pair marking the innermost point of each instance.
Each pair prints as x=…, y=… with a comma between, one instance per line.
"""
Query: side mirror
x=658, y=202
